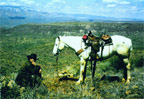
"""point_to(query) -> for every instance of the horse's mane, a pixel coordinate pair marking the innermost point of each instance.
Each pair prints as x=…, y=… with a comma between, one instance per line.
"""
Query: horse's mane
x=74, y=42
x=69, y=36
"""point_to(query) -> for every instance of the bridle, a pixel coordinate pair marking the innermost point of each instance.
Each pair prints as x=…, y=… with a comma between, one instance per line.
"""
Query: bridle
x=57, y=55
x=58, y=50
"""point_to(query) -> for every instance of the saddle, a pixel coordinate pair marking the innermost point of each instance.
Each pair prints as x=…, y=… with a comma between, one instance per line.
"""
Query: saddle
x=96, y=43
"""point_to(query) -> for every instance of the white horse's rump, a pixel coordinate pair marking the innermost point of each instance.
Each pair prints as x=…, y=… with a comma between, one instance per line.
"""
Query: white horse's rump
x=122, y=47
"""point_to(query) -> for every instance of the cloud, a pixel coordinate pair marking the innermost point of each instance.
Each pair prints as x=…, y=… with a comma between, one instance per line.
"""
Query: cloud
x=111, y=5
x=140, y=0
x=109, y=1
x=54, y=6
x=124, y=2
x=133, y=9
x=28, y=1
x=10, y=3
x=3, y=3
x=116, y=1
x=58, y=1
x=10, y=0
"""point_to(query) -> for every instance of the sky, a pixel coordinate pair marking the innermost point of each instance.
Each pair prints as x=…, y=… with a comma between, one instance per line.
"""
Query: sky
x=108, y=8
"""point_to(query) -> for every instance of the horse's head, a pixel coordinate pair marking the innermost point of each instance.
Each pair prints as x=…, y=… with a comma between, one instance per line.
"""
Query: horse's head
x=59, y=45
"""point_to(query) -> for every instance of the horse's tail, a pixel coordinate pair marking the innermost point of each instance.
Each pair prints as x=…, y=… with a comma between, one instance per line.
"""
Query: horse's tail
x=131, y=47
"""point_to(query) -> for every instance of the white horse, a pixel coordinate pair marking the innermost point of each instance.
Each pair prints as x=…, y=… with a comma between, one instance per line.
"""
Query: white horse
x=121, y=46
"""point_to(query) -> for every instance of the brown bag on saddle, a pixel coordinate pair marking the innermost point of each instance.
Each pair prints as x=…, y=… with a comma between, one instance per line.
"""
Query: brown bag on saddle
x=95, y=44
x=106, y=38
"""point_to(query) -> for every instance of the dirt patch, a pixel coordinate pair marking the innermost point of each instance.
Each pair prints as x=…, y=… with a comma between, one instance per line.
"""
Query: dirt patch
x=63, y=85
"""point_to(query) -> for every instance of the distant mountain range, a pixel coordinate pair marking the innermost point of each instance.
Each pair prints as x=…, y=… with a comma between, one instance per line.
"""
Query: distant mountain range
x=11, y=16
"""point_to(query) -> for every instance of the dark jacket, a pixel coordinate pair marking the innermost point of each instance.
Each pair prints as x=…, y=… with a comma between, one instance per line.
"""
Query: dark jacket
x=29, y=76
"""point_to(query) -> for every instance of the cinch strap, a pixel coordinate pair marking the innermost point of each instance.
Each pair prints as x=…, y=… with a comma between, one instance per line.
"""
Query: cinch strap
x=79, y=52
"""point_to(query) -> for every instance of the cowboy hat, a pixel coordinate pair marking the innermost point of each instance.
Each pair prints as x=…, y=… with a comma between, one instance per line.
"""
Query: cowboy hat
x=32, y=56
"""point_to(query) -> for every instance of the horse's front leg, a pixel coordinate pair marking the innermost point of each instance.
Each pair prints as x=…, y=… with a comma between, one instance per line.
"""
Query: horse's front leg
x=82, y=70
x=93, y=71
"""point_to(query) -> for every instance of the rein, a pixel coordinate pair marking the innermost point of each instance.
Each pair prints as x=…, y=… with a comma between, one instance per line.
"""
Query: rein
x=57, y=64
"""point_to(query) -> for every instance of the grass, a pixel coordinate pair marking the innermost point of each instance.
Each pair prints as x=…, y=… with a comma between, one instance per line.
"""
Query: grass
x=16, y=43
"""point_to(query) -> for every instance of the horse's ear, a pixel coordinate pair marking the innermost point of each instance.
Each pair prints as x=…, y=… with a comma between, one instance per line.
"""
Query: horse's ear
x=89, y=33
x=58, y=38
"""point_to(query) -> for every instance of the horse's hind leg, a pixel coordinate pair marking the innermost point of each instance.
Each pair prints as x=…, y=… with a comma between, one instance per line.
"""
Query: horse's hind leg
x=127, y=73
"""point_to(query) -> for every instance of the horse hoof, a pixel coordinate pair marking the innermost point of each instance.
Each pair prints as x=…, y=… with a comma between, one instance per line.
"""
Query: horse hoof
x=128, y=81
x=92, y=88
x=79, y=82
x=123, y=80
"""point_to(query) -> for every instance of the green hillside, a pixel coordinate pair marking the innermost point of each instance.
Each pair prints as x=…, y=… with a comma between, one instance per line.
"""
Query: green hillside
x=16, y=43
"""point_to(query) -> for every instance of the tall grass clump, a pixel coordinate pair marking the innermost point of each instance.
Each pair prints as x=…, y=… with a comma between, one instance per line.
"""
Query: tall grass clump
x=137, y=58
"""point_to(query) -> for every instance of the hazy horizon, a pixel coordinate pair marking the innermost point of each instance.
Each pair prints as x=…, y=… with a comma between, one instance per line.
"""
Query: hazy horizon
x=106, y=8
